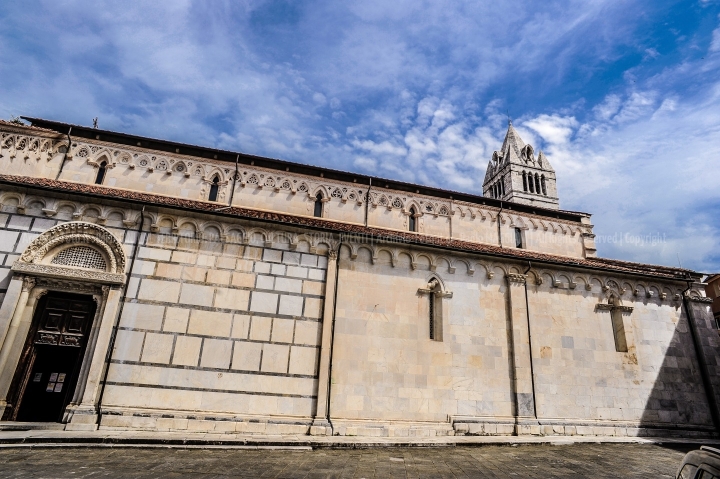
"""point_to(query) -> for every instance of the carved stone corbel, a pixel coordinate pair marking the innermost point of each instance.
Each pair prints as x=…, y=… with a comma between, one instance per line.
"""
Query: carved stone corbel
x=516, y=278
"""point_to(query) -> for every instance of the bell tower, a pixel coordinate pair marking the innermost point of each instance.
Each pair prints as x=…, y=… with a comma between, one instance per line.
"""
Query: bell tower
x=515, y=174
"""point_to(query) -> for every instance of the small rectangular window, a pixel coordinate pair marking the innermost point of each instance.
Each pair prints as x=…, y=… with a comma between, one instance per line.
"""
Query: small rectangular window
x=518, y=238
x=432, y=315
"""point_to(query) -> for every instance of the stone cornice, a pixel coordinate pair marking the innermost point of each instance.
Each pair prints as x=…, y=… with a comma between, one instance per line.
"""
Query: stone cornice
x=60, y=272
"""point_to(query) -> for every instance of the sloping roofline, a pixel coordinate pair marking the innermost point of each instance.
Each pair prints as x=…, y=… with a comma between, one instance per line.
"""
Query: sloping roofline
x=283, y=165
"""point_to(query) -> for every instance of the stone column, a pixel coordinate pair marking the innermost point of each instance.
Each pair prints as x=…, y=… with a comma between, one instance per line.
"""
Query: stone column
x=7, y=348
x=520, y=355
x=7, y=310
x=321, y=424
x=85, y=415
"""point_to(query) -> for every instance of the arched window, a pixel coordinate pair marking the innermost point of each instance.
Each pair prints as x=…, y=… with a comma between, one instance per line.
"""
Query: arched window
x=537, y=184
x=101, y=173
x=542, y=183
x=412, y=220
x=502, y=186
x=214, y=189
x=518, y=238
x=524, y=181
x=318, y=206
x=531, y=183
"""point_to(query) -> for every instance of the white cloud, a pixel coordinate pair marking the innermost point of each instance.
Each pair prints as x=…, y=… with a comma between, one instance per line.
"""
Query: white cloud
x=608, y=108
x=553, y=129
x=382, y=148
x=715, y=42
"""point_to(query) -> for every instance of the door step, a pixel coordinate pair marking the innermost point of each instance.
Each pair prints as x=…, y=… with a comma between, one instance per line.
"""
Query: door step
x=30, y=426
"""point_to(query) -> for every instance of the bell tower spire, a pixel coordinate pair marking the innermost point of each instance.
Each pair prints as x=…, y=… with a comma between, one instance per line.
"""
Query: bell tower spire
x=515, y=174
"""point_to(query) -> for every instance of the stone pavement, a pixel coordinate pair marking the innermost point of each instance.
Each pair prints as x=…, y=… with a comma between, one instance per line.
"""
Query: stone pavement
x=491, y=461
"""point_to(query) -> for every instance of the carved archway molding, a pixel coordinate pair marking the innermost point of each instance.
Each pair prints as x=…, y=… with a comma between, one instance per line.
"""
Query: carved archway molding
x=35, y=260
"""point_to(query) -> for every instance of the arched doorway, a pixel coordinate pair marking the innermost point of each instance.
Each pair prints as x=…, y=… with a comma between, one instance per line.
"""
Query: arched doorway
x=67, y=278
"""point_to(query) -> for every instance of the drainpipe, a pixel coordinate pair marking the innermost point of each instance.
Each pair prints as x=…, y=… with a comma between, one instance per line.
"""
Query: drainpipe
x=704, y=373
x=332, y=331
x=367, y=202
x=62, y=165
x=119, y=313
x=527, y=312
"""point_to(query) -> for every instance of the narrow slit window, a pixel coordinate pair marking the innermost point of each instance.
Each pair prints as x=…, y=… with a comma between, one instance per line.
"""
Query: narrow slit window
x=412, y=220
x=618, y=326
x=214, y=189
x=432, y=315
x=531, y=183
x=525, y=188
x=518, y=238
x=537, y=184
x=101, y=173
x=502, y=185
x=542, y=183
x=318, y=206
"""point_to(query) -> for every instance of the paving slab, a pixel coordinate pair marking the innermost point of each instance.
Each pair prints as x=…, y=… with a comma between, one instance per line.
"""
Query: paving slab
x=579, y=460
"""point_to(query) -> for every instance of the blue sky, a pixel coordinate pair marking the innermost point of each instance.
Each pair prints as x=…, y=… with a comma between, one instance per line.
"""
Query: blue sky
x=623, y=96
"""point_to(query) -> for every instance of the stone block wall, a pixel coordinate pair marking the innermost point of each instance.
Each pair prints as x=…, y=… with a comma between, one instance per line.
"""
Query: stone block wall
x=387, y=370
x=385, y=366
x=580, y=374
x=209, y=328
x=219, y=328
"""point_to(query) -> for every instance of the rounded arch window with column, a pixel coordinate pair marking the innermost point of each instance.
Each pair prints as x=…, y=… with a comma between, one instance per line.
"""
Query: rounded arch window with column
x=56, y=323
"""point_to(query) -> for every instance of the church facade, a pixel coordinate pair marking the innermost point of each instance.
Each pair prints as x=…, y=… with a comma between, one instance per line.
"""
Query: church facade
x=153, y=285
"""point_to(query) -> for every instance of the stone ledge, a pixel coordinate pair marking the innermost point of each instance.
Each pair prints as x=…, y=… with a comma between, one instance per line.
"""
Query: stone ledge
x=52, y=438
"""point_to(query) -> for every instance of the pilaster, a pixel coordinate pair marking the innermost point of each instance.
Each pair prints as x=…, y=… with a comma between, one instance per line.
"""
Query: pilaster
x=520, y=354
x=321, y=424
x=10, y=351
x=84, y=415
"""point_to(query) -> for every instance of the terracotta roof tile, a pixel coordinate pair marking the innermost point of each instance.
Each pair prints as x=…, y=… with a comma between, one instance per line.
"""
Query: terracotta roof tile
x=345, y=228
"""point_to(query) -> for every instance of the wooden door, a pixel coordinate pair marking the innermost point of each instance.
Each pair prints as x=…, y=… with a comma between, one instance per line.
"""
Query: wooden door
x=47, y=374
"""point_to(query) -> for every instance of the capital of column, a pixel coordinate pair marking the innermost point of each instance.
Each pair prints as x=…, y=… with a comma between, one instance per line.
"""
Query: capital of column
x=28, y=283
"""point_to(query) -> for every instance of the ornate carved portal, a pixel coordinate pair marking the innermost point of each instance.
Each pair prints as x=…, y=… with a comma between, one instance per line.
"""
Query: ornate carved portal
x=68, y=271
x=48, y=369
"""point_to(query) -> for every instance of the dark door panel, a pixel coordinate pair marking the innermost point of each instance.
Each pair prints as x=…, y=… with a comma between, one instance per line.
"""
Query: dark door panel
x=47, y=374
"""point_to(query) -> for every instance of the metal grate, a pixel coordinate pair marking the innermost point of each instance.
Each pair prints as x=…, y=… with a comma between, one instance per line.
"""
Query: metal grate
x=80, y=257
